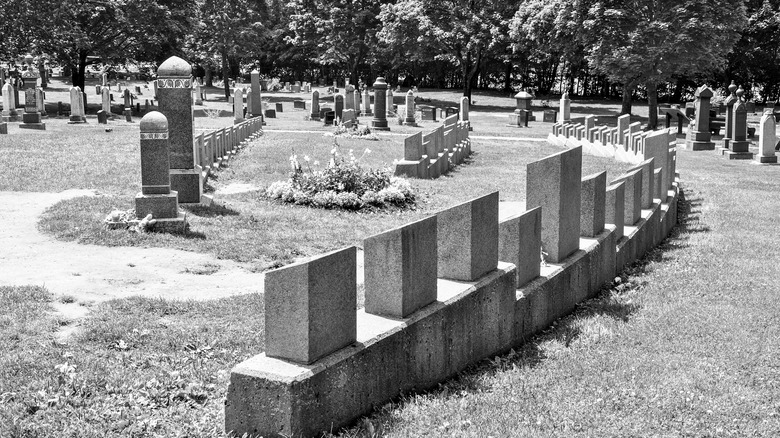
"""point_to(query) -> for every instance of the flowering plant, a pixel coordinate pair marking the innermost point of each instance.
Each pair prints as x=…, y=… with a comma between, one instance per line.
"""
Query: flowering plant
x=344, y=183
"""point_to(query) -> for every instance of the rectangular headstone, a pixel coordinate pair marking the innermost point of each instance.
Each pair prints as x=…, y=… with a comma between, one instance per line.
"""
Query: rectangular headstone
x=593, y=198
x=648, y=193
x=622, y=126
x=554, y=184
x=310, y=307
x=413, y=147
x=615, y=207
x=400, y=269
x=632, y=196
x=468, y=239
x=657, y=148
x=658, y=182
x=520, y=243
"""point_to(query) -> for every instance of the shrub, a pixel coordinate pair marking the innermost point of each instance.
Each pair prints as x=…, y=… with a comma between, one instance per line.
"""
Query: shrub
x=344, y=184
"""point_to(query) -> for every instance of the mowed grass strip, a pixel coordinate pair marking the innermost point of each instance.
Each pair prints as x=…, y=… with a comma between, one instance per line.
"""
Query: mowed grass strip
x=685, y=344
x=134, y=367
x=247, y=227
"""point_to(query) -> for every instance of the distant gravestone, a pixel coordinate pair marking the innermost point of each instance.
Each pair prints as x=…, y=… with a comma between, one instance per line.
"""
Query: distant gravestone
x=740, y=142
x=257, y=105
x=565, y=114
x=279, y=107
x=198, y=94
x=699, y=137
x=76, y=106
x=106, y=101
x=366, y=103
x=356, y=99
x=380, y=115
x=338, y=105
x=9, y=106
x=767, y=141
x=464, y=110
x=409, y=119
x=314, y=114
x=238, y=105
x=389, y=102
x=3, y=128
x=729, y=104
x=102, y=117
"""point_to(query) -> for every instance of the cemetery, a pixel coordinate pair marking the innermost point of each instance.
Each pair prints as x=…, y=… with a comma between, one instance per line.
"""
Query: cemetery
x=250, y=245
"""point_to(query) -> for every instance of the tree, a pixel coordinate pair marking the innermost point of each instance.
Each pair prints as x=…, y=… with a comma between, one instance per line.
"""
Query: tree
x=80, y=32
x=461, y=32
x=648, y=41
x=756, y=56
x=335, y=32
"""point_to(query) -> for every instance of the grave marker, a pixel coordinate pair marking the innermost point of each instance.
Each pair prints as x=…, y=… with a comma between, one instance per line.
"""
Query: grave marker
x=699, y=137
x=409, y=120
x=768, y=139
x=379, y=122
x=593, y=199
x=468, y=239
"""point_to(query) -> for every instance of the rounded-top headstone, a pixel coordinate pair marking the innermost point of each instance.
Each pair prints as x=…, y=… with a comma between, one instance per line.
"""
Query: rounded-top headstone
x=740, y=92
x=732, y=87
x=174, y=67
x=154, y=121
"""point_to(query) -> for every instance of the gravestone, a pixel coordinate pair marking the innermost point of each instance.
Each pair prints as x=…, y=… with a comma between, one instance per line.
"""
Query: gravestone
x=389, y=109
x=768, y=140
x=310, y=307
x=106, y=101
x=464, y=111
x=279, y=107
x=156, y=197
x=257, y=99
x=356, y=99
x=31, y=118
x=41, y=100
x=76, y=106
x=623, y=123
x=3, y=128
x=632, y=196
x=349, y=97
x=10, y=113
x=729, y=104
x=314, y=114
x=699, y=137
x=128, y=99
x=739, y=146
x=614, y=210
x=554, y=183
x=238, y=105
x=339, y=105
x=520, y=243
x=270, y=113
x=299, y=104
x=379, y=122
x=348, y=118
x=593, y=199
x=647, y=167
x=366, y=103
x=330, y=117
x=102, y=117
x=138, y=90
x=175, y=102
x=523, y=101
x=400, y=269
x=565, y=111
x=657, y=148
x=409, y=119
x=468, y=239
x=550, y=116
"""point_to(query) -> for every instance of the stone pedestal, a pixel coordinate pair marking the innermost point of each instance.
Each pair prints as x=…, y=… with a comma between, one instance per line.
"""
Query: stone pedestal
x=379, y=122
x=156, y=197
x=699, y=138
x=739, y=147
x=524, y=99
x=31, y=119
x=76, y=106
x=175, y=102
x=767, y=141
x=565, y=111
x=315, y=106
x=729, y=103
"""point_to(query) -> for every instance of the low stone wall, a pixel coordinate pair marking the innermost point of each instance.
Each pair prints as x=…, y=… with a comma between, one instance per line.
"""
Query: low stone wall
x=437, y=297
x=429, y=156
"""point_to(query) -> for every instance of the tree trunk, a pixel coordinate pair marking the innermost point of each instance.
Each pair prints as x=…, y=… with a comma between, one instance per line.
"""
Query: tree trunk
x=209, y=77
x=628, y=91
x=226, y=75
x=652, y=102
x=78, y=71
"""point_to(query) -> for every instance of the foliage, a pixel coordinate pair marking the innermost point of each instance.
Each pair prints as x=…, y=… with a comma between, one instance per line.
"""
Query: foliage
x=355, y=131
x=756, y=56
x=344, y=184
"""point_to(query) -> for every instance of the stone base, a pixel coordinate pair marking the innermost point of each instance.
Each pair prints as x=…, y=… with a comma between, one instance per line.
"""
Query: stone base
x=314, y=117
x=77, y=119
x=32, y=118
x=9, y=119
x=159, y=206
x=699, y=145
x=368, y=113
x=767, y=160
x=38, y=126
x=188, y=183
x=410, y=123
x=379, y=125
x=738, y=155
x=739, y=146
x=177, y=225
x=516, y=121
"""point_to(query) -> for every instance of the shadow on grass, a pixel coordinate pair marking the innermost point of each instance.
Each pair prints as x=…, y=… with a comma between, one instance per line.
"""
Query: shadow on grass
x=213, y=210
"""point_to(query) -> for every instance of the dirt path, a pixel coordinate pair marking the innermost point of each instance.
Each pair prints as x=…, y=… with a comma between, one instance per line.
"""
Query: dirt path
x=91, y=273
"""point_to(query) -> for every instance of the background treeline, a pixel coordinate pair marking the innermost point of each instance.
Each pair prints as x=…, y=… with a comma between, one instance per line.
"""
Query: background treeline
x=655, y=49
